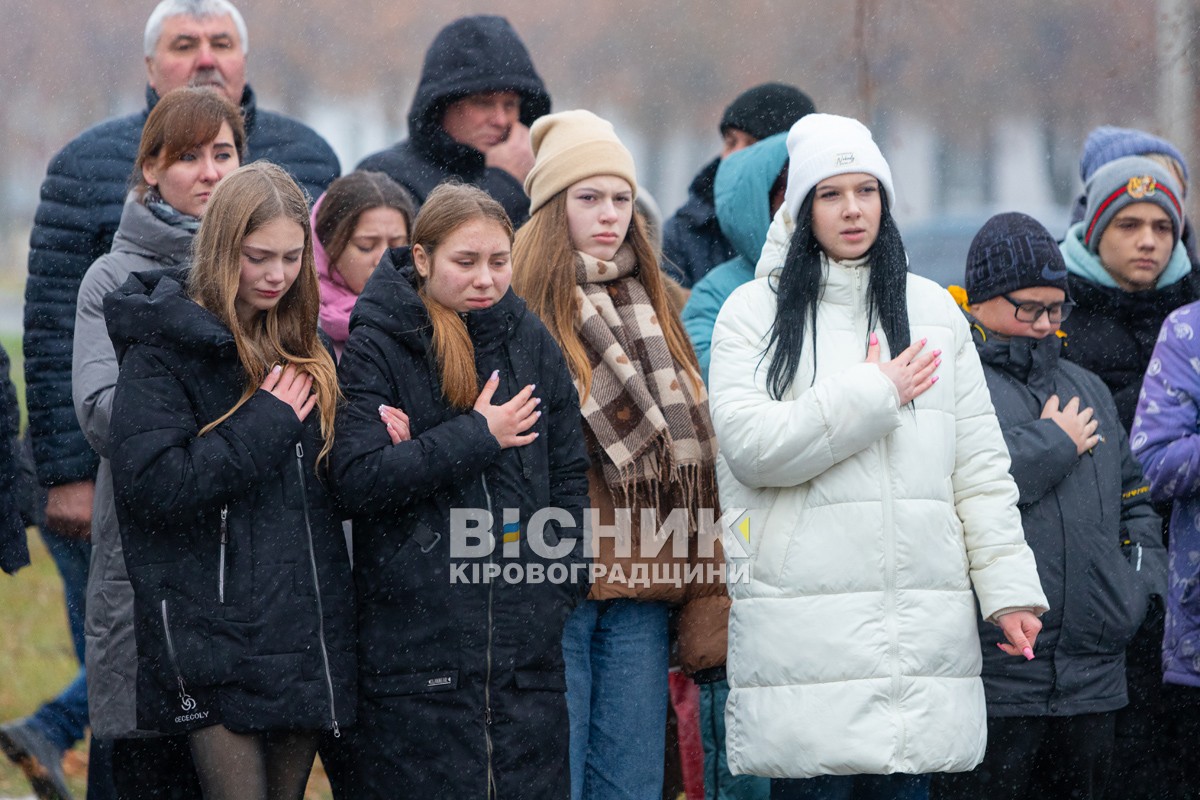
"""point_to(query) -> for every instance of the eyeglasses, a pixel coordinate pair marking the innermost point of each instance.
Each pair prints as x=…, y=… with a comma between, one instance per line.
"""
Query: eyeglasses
x=1026, y=311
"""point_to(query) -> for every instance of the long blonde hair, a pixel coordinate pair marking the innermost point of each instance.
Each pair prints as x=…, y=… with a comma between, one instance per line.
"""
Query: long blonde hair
x=248, y=199
x=544, y=275
x=447, y=208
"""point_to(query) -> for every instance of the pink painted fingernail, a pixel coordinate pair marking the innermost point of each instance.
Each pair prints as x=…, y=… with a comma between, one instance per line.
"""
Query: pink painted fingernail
x=935, y=379
x=937, y=363
x=1028, y=653
x=937, y=352
x=495, y=375
x=1001, y=646
x=874, y=339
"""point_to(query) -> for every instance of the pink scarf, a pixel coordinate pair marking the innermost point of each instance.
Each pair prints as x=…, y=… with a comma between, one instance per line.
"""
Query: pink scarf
x=337, y=301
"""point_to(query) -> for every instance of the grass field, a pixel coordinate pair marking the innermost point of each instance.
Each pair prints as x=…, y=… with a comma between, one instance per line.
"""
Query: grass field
x=36, y=657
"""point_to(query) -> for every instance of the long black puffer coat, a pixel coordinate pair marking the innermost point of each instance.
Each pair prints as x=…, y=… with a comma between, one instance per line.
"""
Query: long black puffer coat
x=462, y=685
x=470, y=55
x=243, y=603
x=1091, y=526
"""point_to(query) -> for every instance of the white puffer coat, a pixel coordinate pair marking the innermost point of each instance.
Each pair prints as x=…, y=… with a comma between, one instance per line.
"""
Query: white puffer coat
x=853, y=646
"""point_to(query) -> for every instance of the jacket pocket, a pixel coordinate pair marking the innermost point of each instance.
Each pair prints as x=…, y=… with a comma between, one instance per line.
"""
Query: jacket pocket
x=1116, y=604
x=415, y=683
x=540, y=681
x=406, y=575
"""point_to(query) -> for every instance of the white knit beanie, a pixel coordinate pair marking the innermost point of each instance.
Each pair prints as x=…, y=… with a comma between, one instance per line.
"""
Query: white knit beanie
x=823, y=145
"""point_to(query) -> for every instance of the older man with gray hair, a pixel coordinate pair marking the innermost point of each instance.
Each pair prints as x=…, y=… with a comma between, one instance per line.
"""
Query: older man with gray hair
x=187, y=43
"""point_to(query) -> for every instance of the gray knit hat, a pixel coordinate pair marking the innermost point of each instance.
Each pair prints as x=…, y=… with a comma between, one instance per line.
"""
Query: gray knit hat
x=1122, y=183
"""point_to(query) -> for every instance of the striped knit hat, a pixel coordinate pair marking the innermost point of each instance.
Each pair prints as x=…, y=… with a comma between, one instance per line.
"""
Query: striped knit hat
x=1122, y=183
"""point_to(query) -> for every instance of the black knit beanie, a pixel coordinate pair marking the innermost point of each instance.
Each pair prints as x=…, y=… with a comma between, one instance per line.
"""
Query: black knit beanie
x=766, y=110
x=1012, y=251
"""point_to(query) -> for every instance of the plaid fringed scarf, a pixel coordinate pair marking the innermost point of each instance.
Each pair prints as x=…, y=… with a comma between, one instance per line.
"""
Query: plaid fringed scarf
x=644, y=410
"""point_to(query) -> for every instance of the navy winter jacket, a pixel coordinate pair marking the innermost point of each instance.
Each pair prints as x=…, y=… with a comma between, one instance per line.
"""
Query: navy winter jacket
x=471, y=55
x=243, y=607
x=692, y=239
x=81, y=202
x=461, y=681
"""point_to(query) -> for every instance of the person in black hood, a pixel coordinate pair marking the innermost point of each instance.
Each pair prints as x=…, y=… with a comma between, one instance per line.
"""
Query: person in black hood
x=692, y=240
x=470, y=118
x=1086, y=512
x=462, y=685
x=243, y=608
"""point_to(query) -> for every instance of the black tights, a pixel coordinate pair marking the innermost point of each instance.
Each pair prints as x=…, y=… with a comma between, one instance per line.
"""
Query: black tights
x=253, y=766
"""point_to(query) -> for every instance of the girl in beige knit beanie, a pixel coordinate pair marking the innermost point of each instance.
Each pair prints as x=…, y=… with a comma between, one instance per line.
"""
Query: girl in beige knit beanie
x=584, y=265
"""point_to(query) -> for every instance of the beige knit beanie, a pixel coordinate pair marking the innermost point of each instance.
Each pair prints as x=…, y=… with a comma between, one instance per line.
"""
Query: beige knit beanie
x=570, y=146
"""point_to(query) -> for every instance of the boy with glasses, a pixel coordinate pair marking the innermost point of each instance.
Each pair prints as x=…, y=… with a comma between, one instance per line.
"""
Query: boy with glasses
x=1086, y=514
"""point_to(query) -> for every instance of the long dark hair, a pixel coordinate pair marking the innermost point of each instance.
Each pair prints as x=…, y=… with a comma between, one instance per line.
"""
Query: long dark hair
x=798, y=290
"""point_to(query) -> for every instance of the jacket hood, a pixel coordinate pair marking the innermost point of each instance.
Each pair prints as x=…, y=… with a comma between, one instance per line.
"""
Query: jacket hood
x=741, y=193
x=775, y=248
x=145, y=235
x=473, y=54
x=390, y=303
x=153, y=308
x=1081, y=262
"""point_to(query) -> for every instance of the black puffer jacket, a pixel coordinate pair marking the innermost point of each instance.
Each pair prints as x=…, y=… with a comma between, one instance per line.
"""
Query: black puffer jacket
x=14, y=553
x=81, y=202
x=692, y=239
x=470, y=55
x=242, y=596
x=461, y=682
x=1076, y=511
x=1112, y=333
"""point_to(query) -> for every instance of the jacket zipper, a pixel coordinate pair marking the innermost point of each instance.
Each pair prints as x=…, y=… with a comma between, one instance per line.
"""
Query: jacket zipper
x=312, y=560
x=224, y=542
x=889, y=544
x=185, y=700
x=487, y=685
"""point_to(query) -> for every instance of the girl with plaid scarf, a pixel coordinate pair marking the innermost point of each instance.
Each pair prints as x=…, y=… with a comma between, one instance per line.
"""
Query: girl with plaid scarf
x=584, y=265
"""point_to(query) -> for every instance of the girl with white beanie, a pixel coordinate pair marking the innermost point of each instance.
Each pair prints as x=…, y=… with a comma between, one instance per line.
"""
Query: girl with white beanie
x=584, y=264
x=854, y=420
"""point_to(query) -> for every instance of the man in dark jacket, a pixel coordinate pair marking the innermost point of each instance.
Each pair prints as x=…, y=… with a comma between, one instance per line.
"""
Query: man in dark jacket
x=692, y=239
x=1086, y=512
x=187, y=42
x=470, y=118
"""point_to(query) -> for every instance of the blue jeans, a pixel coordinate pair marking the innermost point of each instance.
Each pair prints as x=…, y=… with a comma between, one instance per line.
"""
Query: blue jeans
x=616, y=655
x=853, y=787
x=64, y=719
